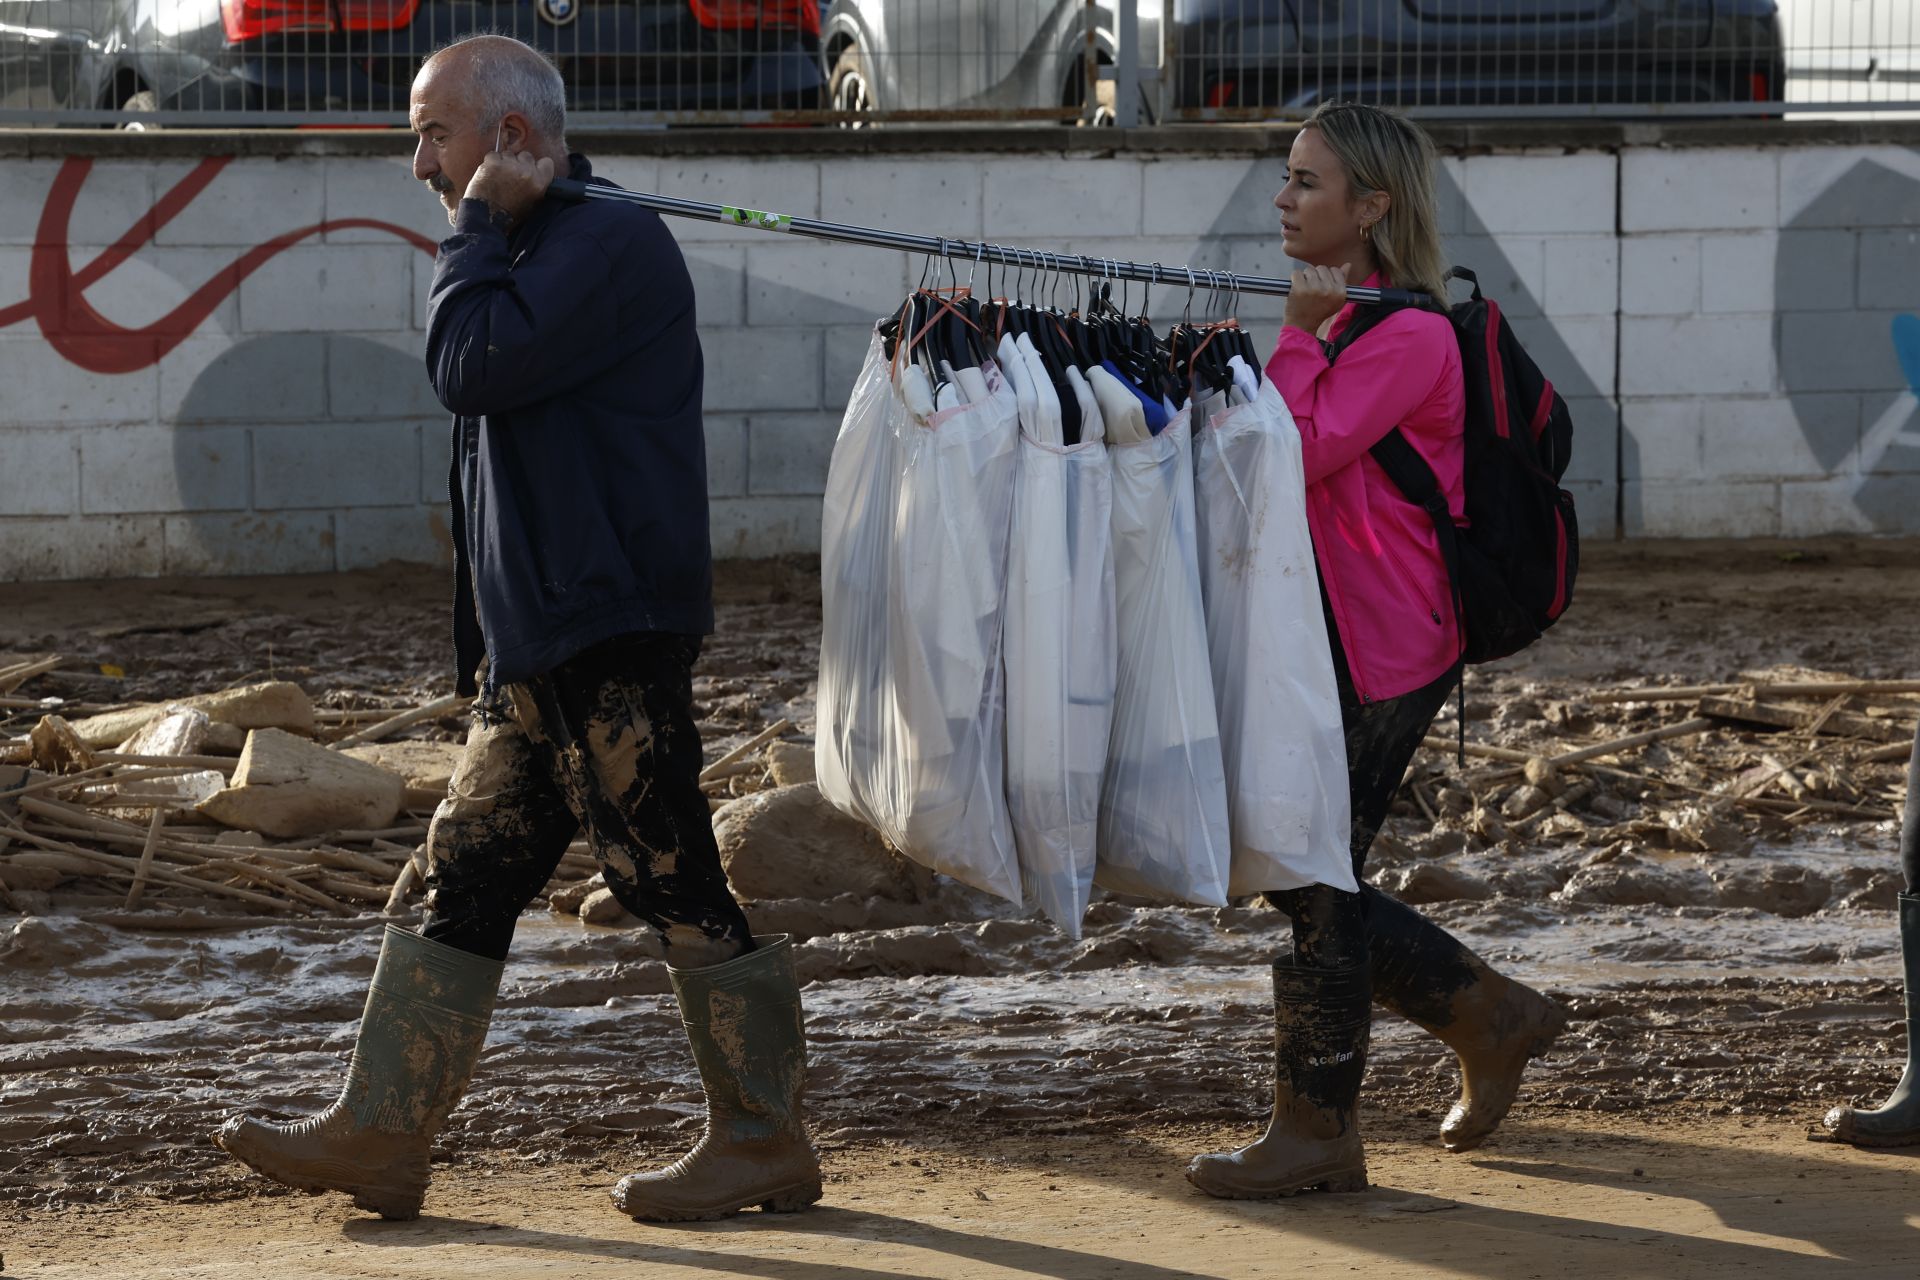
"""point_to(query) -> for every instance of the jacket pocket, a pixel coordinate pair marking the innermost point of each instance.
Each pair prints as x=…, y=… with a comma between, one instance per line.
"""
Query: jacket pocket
x=1411, y=582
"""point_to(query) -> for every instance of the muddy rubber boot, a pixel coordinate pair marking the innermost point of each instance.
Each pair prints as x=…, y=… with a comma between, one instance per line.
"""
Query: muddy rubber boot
x=1321, y=1021
x=1493, y=1024
x=1896, y=1122
x=426, y=1018
x=743, y=1020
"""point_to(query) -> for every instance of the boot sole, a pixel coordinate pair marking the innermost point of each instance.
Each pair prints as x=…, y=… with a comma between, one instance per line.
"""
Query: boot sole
x=1347, y=1180
x=1557, y=1019
x=786, y=1200
x=396, y=1204
x=1841, y=1127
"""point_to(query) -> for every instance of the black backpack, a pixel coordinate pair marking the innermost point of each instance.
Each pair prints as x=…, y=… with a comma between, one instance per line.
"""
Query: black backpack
x=1514, y=562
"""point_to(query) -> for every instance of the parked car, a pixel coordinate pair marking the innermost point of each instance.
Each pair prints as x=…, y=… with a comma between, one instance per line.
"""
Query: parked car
x=994, y=57
x=327, y=56
x=1262, y=57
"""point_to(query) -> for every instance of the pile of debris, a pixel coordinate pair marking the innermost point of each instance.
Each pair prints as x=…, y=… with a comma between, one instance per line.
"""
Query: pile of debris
x=250, y=800
x=257, y=800
x=1701, y=768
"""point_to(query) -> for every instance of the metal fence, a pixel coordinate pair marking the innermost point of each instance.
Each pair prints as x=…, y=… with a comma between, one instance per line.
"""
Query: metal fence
x=160, y=63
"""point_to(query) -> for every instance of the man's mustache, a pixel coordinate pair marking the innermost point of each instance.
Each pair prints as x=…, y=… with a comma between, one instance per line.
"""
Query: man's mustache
x=440, y=183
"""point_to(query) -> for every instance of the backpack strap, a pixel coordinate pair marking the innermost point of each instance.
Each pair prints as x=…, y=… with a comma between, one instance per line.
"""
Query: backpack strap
x=1414, y=478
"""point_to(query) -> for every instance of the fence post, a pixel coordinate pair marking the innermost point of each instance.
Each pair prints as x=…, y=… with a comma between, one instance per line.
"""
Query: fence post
x=1126, y=88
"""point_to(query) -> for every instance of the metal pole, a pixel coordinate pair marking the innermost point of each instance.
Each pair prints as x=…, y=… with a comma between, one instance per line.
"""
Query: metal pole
x=965, y=250
x=1126, y=85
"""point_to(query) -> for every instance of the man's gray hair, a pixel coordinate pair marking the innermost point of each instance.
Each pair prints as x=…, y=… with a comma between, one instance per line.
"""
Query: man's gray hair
x=510, y=75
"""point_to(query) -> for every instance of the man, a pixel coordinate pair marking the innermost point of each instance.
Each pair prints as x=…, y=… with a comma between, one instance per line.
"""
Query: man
x=561, y=336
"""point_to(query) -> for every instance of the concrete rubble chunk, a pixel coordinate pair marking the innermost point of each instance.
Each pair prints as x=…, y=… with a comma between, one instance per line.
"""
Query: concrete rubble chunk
x=791, y=763
x=791, y=843
x=273, y=704
x=177, y=731
x=427, y=766
x=57, y=748
x=601, y=907
x=288, y=787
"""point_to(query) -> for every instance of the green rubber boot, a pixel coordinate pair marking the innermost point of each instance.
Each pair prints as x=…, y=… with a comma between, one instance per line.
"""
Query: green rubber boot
x=426, y=1018
x=1896, y=1123
x=1322, y=1020
x=743, y=1020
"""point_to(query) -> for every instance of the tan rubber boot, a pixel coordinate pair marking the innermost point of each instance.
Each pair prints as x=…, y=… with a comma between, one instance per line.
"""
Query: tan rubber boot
x=743, y=1020
x=1895, y=1122
x=1322, y=1018
x=1493, y=1024
x=426, y=1018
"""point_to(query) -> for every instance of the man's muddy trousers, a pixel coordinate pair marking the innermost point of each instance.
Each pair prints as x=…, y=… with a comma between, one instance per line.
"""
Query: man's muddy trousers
x=606, y=741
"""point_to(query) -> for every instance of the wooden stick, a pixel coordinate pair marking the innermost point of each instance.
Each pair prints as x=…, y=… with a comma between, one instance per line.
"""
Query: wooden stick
x=1684, y=729
x=201, y=922
x=428, y=711
x=402, y=886
x=754, y=743
x=93, y=826
x=126, y=866
x=352, y=715
x=352, y=889
x=1805, y=689
x=266, y=875
x=59, y=781
x=412, y=831
x=347, y=860
x=19, y=673
x=1829, y=719
x=146, y=857
x=218, y=764
x=1895, y=752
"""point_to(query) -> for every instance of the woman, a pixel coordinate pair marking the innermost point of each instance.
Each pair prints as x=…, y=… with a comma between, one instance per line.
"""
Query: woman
x=1358, y=205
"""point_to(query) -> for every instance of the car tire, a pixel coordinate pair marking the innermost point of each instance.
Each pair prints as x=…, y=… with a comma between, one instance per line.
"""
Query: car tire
x=145, y=102
x=850, y=88
x=1105, y=95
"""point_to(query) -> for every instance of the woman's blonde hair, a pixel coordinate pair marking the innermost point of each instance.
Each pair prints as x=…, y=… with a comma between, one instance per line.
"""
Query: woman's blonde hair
x=1383, y=152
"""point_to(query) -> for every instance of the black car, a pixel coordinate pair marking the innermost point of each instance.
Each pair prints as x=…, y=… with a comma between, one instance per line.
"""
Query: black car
x=1261, y=58
x=322, y=58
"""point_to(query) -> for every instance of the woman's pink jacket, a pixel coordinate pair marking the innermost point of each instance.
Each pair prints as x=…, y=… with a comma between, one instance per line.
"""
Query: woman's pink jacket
x=1379, y=556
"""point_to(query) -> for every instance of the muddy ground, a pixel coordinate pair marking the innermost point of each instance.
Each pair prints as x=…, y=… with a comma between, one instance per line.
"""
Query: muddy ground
x=1727, y=986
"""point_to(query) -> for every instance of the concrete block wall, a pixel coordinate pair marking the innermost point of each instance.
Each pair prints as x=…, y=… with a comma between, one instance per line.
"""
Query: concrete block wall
x=1762, y=387
x=1719, y=317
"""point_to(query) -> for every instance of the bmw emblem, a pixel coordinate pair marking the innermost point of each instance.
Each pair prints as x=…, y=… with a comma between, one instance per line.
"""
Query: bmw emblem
x=558, y=12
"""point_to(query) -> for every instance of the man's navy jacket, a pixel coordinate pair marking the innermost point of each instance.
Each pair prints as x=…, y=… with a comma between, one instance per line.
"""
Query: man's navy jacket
x=567, y=354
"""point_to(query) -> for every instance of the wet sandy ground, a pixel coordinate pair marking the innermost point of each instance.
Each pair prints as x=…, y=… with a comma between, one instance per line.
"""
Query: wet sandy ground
x=1558, y=1198
x=1739, y=993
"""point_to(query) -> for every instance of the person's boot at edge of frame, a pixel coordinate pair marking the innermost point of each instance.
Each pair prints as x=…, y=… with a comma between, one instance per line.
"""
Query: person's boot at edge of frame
x=1896, y=1122
x=426, y=1017
x=1322, y=1020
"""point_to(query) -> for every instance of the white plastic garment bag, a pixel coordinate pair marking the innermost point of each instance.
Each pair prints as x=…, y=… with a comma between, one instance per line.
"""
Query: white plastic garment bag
x=914, y=541
x=1061, y=656
x=856, y=577
x=1273, y=680
x=1163, y=801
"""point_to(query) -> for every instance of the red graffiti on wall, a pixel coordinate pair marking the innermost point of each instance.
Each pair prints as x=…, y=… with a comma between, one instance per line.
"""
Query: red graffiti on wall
x=56, y=293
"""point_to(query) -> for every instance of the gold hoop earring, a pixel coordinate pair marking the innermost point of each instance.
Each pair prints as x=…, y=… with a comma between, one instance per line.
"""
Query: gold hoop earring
x=1366, y=232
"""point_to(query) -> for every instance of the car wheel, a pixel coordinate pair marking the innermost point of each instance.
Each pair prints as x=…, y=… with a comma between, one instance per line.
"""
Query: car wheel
x=1105, y=96
x=145, y=102
x=850, y=88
